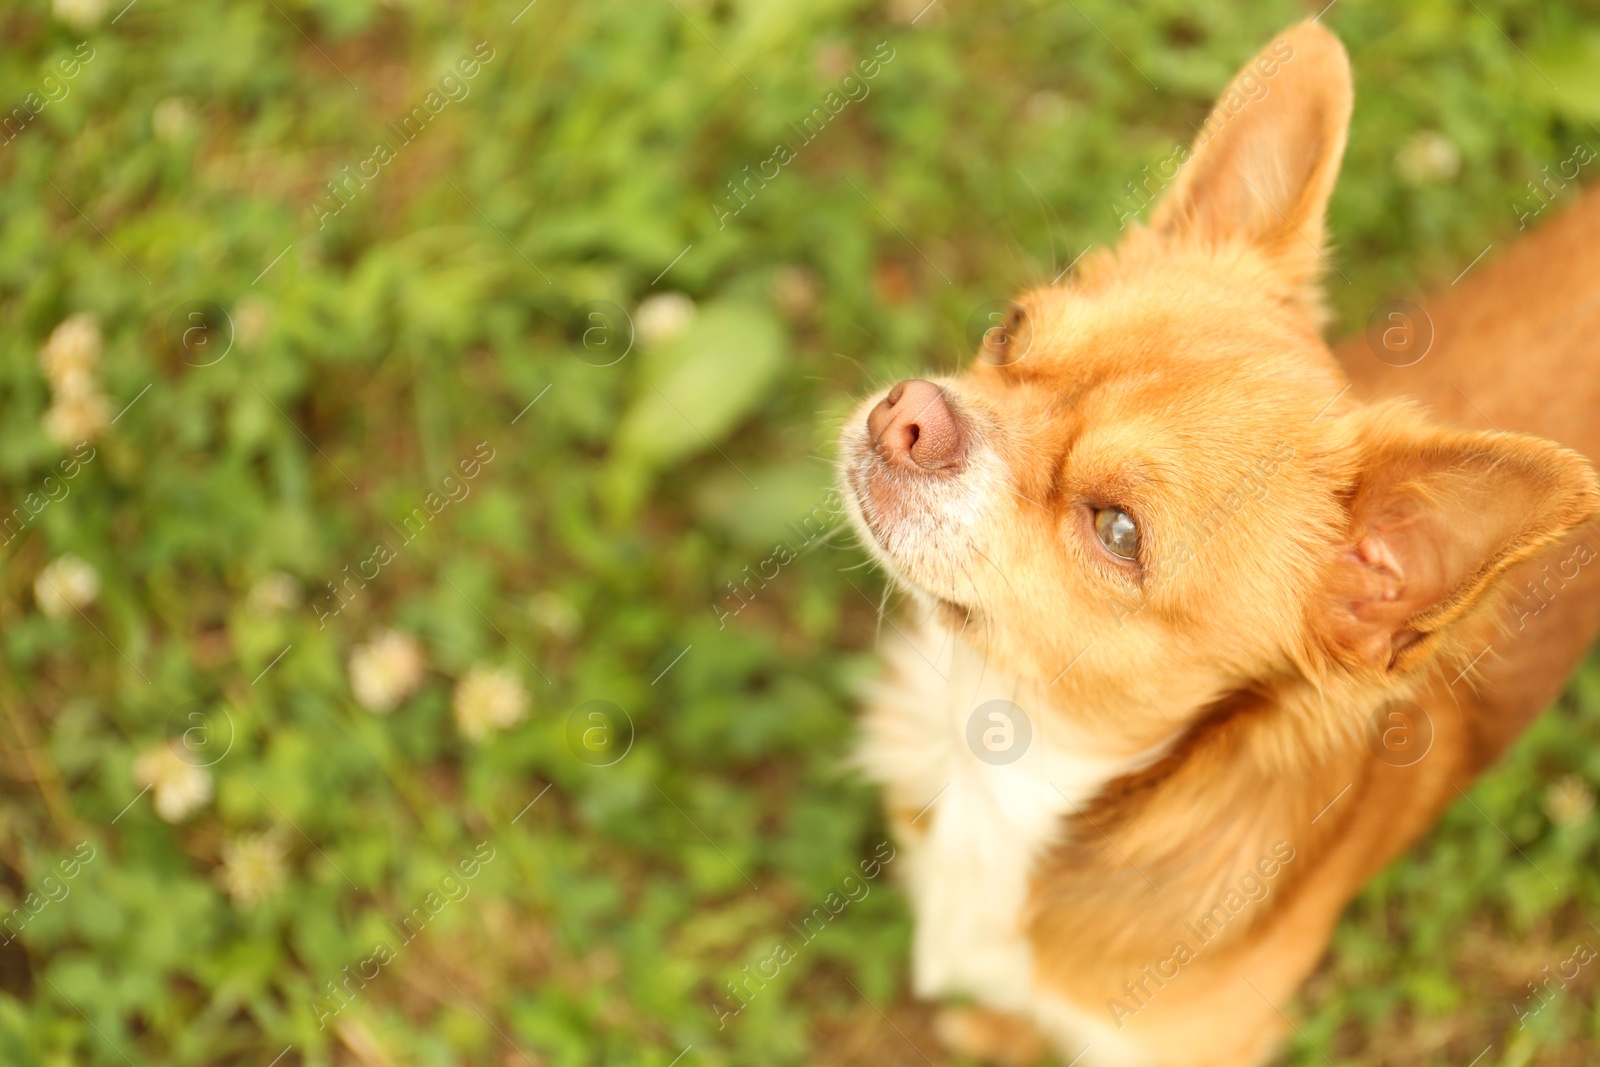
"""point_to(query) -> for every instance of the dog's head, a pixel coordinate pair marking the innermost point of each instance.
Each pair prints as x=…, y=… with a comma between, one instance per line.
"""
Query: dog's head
x=1152, y=486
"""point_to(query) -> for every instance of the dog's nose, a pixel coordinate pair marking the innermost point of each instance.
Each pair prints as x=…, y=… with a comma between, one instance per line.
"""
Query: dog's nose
x=915, y=422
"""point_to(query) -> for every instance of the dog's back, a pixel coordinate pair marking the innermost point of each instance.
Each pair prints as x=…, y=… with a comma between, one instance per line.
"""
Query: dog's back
x=1515, y=346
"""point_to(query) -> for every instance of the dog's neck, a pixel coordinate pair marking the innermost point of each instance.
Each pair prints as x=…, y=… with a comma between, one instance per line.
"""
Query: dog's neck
x=1107, y=851
x=1269, y=770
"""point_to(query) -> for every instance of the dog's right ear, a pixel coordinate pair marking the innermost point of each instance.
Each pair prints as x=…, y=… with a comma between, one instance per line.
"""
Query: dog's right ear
x=1435, y=517
x=1263, y=166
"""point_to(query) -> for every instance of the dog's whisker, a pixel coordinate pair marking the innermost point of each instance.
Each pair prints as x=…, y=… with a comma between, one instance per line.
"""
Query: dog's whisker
x=888, y=588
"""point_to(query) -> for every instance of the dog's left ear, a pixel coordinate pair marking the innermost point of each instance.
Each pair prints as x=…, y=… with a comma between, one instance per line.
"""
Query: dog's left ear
x=1435, y=518
x=1263, y=166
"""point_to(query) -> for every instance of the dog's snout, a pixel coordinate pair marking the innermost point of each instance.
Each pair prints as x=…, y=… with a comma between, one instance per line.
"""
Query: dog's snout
x=915, y=423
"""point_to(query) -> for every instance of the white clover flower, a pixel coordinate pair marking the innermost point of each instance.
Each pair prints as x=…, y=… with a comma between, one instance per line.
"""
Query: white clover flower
x=178, y=788
x=662, y=316
x=489, y=699
x=555, y=614
x=73, y=419
x=1047, y=107
x=66, y=584
x=80, y=14
x=74, y=383
x=274, y=592
x=74, y=346
x=80, y=411
x=251, y=318
x=795, y=290
x=173, y=118
x=253, y=867
x=1427, y=157
x=1568, y=801
x=386, y=670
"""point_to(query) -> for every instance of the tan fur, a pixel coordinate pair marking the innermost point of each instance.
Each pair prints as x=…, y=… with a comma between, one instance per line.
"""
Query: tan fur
x=1311, y=553
x=1004, y=1040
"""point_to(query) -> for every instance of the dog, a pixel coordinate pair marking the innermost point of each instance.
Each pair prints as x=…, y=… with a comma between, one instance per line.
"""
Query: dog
x=1213, y=624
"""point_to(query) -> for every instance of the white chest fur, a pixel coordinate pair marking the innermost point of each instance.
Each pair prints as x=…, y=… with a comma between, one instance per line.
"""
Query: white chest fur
x=985, y=822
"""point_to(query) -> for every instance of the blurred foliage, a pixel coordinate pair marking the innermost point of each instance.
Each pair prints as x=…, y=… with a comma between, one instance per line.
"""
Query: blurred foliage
x=503, y=258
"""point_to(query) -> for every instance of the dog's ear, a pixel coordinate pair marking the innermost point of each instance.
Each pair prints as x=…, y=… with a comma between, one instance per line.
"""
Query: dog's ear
x=1435, y=517
x=1263, y=166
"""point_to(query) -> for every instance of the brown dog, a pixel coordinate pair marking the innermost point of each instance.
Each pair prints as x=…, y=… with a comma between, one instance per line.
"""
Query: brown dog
x=1212, y=630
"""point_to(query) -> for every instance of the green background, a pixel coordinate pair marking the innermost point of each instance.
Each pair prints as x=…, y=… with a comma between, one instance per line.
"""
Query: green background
x=461, y=284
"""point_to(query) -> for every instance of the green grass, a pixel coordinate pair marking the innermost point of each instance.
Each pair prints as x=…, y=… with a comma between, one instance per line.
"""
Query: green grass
x=492, y=263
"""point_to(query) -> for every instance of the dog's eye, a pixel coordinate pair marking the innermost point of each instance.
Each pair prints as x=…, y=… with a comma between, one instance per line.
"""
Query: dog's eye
x=1117, y=531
